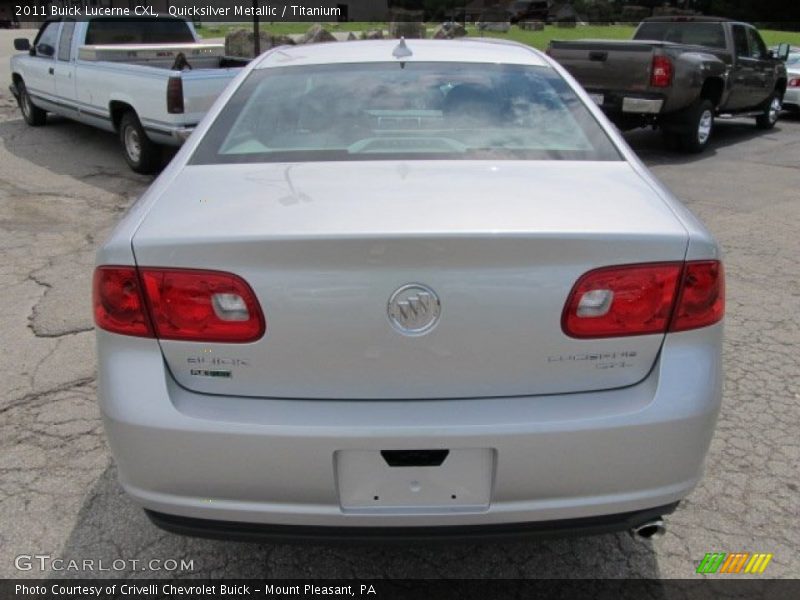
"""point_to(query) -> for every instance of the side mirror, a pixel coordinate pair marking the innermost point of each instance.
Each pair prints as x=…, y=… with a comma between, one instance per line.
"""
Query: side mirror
x=22, y=44
x=45, y=50
x=783, y=52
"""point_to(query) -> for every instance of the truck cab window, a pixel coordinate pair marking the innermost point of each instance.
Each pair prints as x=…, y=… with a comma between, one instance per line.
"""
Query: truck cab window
x=758, y=48
x=159, y=30
x=700, y=34
x=47, y=40
x=740, y=41
x=65, y=43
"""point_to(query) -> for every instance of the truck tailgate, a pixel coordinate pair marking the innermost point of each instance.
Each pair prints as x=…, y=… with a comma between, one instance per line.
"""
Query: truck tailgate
x=201, y=87
x=607, y=64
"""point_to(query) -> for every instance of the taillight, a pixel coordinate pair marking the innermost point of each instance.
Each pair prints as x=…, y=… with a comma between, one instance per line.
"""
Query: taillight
x=207, y=306
x=175, y=95
x=661, y=75
x=794, y=83
x=645, y=299
x=118, y=303
x=181, y=304
x=701, y=301
x=620, y=301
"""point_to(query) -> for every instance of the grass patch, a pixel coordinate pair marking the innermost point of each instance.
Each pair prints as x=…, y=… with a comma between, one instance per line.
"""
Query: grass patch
x=537, y=39
x=773, y=38
x=540, y=39
x=215, y=30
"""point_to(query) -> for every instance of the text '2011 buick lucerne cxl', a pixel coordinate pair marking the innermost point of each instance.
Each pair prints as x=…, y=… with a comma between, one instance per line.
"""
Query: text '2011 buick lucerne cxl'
x=408, y=289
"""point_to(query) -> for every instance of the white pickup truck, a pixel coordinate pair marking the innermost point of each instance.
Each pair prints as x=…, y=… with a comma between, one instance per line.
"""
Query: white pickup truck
x=150, y=80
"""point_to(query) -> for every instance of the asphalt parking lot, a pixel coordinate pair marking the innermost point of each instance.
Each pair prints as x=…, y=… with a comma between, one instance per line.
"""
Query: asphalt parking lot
x=63, y=186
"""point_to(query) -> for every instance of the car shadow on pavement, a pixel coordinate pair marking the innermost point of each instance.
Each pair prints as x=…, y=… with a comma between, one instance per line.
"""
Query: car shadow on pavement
x=68, y=148
x=110, y=527
x=650, y=148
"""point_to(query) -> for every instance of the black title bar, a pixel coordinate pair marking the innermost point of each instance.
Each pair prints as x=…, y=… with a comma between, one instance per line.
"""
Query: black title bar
x=505, y=589
x=601, y=11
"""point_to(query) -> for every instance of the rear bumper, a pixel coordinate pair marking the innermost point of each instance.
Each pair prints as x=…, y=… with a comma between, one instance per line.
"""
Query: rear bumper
x=183, y=134
x=171, y=137
x=630, y=103
x=792, y=98
x=271, y=462
x=249, y=532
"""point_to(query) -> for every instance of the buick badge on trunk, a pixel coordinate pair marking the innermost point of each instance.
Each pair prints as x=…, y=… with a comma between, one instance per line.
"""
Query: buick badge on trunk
x=414, y=309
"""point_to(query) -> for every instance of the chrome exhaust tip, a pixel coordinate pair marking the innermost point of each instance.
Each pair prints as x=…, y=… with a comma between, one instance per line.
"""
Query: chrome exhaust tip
x=649, y=530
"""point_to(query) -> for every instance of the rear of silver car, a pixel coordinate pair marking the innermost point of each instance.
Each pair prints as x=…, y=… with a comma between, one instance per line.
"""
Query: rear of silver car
x=791, y=99
x=407, y=344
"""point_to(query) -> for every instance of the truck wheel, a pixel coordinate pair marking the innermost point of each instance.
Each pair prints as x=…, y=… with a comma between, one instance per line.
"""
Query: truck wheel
x=698, y=125
x=32, y=114
x=141, y=154
x=772, y=110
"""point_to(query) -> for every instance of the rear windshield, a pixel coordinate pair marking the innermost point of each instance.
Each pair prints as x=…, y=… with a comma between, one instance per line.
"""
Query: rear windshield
x=380, y=111
x=699, y=34
x=138, y=31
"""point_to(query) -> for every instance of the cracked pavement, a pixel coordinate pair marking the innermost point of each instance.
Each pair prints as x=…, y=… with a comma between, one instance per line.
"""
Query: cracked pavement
x=63, y=186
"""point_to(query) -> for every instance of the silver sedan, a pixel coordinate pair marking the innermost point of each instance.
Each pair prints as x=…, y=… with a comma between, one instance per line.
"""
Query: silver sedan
x=792, y=98
x=408, y=289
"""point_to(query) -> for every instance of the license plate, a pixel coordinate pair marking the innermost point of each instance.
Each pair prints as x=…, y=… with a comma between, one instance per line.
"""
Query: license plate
x=598, y=99
x=462, y=482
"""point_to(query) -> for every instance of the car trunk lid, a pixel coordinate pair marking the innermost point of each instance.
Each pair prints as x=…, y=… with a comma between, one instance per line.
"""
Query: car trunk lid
x=325, y=246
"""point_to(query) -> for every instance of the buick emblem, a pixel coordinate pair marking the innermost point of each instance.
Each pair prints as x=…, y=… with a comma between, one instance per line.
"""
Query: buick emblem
x=414, y=309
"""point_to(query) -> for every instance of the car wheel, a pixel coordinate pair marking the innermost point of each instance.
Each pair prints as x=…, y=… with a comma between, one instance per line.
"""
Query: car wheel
x=141, y=154
x=698, y=126
x=32, y=114
x=772, y=111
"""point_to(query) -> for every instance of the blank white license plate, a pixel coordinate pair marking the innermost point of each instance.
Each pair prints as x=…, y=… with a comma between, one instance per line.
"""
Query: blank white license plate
x=462, y=482
x=598, y=99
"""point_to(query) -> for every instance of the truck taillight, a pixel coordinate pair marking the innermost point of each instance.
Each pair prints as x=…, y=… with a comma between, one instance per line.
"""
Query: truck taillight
x=661, y=75
x=175, y=95
x=177, y=304
x=645, y=299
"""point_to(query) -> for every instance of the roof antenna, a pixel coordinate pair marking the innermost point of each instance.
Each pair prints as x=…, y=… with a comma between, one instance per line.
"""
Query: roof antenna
x=401, y=50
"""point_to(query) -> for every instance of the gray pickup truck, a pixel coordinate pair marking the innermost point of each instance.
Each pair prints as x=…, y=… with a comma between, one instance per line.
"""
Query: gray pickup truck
x=680, y=73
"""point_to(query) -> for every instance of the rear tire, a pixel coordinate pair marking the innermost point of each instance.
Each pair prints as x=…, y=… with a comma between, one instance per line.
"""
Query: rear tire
x=33, y=115
x=141, y=154
x=698, y=125
x=772, y=111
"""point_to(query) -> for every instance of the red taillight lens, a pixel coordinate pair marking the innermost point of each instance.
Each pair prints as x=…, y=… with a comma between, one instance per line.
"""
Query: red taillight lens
x=641, y=299
x=702, y=297
x=175, y=95
x=794, y=83
x=183, y=304
x=662, y=72
x=118, y=304
x=207, y=306
x=621, y=301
